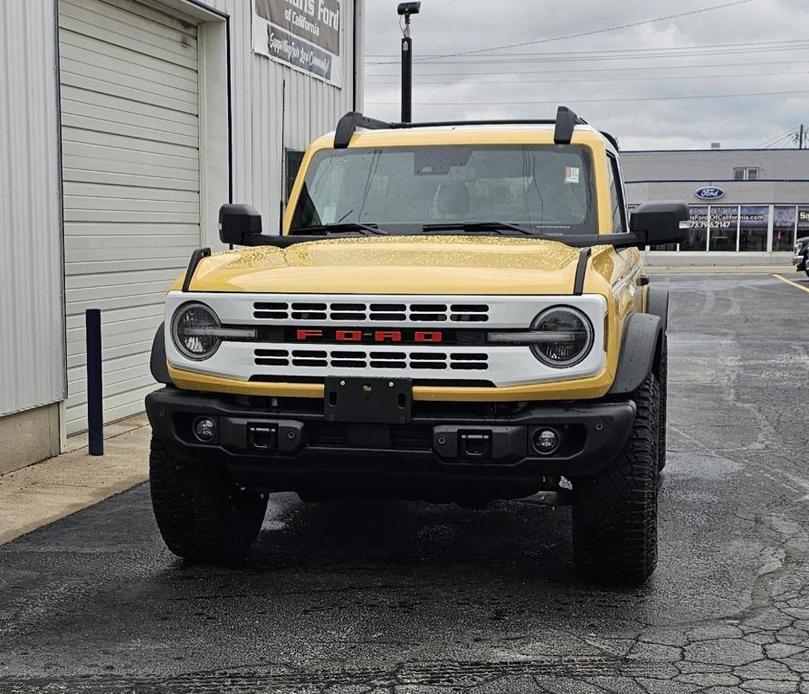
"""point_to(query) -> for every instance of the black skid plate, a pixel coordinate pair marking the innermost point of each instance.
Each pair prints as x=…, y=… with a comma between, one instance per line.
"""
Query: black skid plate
x=368, y=400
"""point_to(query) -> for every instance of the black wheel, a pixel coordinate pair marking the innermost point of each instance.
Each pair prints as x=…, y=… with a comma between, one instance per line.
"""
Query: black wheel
x=806, y=270
x=664, y=388
x=203, y=516
x=615, y=511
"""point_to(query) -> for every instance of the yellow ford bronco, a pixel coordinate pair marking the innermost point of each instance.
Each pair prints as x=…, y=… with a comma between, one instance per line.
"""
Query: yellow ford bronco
x=454, y=312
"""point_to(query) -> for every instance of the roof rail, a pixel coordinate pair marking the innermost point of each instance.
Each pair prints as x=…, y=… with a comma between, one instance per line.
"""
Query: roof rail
x=350, y=122
x=565, y=122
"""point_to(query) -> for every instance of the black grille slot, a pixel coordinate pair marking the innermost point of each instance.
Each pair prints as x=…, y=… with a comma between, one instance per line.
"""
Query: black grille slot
x=274, y=310
x=471, y=361
x=347, y=312
x=469, y=313
x=428, y=360
x=388, y=360
x=388, y=307
x=271, y=357
x=271, y=361
x=388, y=316
x=389, y=312
x=348, y=360
x=304, y=311
x=434, y=313
x=313, y=358
x=384, y=356
x=310, y=362
x=469, y=317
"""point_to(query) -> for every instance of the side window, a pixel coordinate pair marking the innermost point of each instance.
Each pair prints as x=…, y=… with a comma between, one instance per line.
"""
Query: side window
x=616, y=198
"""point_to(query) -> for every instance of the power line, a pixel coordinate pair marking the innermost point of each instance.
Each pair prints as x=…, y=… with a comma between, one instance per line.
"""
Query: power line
x=670, y=49
x=571, y=71
x=504, y=83
x=770, y=142
x=593, y=32
x=614, y=55
x=594, y=101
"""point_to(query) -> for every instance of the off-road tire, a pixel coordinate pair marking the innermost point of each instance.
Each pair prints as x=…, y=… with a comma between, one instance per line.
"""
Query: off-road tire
x=615, y=511
x=664, y=394
x=203, y=516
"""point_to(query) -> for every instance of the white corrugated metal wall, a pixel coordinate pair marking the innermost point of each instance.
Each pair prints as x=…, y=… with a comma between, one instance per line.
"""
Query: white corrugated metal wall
x=312, y=108
x=31, y=305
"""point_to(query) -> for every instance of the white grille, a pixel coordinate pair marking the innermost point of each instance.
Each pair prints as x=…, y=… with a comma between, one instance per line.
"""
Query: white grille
x=327, y=357
x=501, y=365
x=362, y=312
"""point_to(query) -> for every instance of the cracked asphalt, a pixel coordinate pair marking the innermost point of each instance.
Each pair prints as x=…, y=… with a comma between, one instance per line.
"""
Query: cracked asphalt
x=408, y=598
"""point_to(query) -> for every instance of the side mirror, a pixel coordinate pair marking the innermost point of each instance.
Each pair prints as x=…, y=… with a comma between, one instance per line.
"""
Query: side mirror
x=656, y=223
x=238, y=224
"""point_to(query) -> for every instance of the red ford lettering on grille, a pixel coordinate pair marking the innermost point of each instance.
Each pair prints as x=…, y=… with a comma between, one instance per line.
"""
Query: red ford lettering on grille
x=308, y=334
x=387, y=336
x=348, y=336
x=358, y=336
x=428, y=336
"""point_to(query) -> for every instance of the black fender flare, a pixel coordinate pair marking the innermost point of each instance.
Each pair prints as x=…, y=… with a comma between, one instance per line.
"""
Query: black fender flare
x=640, y=349
x=657, y=304
x=157, y=361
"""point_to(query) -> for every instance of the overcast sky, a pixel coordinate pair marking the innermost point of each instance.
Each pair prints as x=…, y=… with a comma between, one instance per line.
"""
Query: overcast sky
x=624, y=80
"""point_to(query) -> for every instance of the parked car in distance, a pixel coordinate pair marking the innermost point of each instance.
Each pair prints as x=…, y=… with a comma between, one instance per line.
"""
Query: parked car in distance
x=800, y=258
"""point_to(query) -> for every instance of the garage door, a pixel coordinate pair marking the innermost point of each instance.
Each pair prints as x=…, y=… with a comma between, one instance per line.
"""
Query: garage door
x=130, y=140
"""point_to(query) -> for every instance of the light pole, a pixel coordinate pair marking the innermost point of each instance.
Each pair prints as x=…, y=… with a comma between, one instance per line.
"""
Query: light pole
x=406, y=9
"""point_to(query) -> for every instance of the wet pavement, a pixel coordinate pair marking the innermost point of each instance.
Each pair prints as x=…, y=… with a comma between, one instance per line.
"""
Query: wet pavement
x=411, y=598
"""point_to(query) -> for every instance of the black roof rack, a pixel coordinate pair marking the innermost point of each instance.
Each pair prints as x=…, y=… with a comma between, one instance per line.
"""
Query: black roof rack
x=566, y=121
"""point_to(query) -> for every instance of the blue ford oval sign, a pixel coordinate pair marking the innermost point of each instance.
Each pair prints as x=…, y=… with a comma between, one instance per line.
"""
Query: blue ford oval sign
x=710, y=193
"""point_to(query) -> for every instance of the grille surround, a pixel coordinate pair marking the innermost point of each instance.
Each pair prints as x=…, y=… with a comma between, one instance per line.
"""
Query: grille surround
x=508, y=365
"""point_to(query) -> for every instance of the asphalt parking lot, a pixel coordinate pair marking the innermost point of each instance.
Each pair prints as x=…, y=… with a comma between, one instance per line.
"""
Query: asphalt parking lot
x=410, y=598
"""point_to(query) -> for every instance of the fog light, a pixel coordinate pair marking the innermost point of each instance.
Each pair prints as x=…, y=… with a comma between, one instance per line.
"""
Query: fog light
x=545, y=441
x=204, y=429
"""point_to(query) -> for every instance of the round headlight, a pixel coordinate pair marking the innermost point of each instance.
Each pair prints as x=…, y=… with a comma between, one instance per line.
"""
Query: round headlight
x=192, y=328
x=567, y=336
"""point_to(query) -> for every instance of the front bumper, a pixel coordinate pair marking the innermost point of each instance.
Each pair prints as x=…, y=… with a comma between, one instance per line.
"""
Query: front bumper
x=799, y=261
x=446, y=451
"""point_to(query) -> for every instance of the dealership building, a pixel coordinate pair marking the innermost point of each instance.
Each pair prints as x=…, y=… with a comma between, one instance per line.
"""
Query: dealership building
x=124, y=125
x=747, y=205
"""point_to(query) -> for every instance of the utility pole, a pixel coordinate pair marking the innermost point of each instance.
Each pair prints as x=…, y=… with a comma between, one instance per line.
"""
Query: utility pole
x=800, y=136
x=406, y=9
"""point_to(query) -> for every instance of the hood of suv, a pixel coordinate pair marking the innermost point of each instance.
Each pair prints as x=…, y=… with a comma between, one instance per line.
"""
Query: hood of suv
x=396, y=265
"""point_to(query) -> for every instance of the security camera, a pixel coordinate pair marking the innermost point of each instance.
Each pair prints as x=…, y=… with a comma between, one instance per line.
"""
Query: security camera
x=408, y=8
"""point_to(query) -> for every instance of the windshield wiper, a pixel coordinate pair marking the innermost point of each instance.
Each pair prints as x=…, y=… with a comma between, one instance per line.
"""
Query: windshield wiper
x=481, y=227
x=342, y=228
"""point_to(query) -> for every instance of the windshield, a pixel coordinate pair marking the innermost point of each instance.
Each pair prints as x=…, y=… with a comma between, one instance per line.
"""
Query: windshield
x=544, y=187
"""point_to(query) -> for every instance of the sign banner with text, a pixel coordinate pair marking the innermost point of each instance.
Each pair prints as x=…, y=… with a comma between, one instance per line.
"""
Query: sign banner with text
x=304, y=34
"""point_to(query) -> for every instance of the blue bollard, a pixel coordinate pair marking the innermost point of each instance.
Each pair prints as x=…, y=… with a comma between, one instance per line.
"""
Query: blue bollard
x=95, y=404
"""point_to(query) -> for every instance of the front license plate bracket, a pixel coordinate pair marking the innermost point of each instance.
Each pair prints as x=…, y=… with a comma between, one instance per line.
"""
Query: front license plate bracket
x=368, y=400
